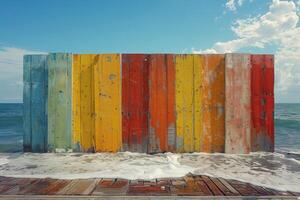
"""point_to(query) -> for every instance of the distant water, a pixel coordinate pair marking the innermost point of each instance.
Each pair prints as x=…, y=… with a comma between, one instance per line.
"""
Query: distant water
x=11, y=127
x=287, y=127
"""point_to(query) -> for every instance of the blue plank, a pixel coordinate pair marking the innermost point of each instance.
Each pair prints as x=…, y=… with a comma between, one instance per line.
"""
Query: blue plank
x=26, y=103
x=35, y=103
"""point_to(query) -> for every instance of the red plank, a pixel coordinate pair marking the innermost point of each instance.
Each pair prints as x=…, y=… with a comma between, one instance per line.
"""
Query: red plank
x=237, y=104
x=135, y=97
x=161, y=103
x=262, y=103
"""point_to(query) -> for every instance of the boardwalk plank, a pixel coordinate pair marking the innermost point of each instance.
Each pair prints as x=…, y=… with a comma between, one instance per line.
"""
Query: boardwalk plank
x=80, y=187
x=230, y=188
x=20, y=185
x=147, y=188
x=244, y=189
x=262, y=191
x=222, y=187
x=56, y=187
x=215, y=190
x=31, y=184
x=202, y=185
x=111, y=187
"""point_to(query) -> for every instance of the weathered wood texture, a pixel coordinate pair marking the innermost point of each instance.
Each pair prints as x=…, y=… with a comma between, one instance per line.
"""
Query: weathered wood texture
x=184, y=103
x=135, y=102
x=96, y=102
x=237, y=103
x=59, y=101
x=107, y=103
x=212, y=104
x=262, y=103
x=35, y=78
x=162, y=136
x=200, y=99
x=190, y=185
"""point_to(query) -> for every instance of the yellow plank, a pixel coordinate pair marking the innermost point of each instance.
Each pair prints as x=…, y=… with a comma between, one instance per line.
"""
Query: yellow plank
x=76, y=102
x=184, y=102
x=198, y=102
x=107, y=90
x=86, y=103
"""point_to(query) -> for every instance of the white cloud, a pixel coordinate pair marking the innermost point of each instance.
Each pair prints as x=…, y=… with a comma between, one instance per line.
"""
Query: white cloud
x=11, y=73
x=232, y=4
x=278, y=27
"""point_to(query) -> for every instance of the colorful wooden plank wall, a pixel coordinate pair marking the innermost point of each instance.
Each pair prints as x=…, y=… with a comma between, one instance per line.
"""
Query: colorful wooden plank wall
x=35, y=102
x=160, y=102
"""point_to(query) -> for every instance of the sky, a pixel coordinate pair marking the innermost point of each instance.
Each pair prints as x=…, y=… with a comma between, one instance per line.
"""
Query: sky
x=151, y=26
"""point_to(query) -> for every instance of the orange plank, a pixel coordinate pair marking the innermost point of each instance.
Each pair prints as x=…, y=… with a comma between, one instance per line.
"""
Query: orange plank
x=213, y=92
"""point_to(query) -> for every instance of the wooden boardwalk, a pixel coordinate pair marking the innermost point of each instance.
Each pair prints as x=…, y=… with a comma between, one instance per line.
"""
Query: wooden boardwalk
x=190, y=185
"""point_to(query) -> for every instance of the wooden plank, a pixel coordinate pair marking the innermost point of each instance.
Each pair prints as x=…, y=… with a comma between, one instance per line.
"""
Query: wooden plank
x=16, y=186
x=35, y=100
x=157, y=104
x=213, y=89
x=29, y=186
x=223, y=188
x=54, y=187
x=244, y=189
x=171, y=118
x=83, y=187
x=59, y=101
x=38, y=103
x=184, y=102
x=237, y=104
x=198, y=77
x=262, y=191
x=139, y=188
x=262, y=106
x=203, y=186
x=76, y=114
x=111, y=187
x=79, y=187
x=107, y=99
x=161, y=104
x=215, y=190
x=135, y=105
x=190, y=188
x=86, y=105
x=7, y=185
x=27, y=103
x=34, y=188
x=229, y=187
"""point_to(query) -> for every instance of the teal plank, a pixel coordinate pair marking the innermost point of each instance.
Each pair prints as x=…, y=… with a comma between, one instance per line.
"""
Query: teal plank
x=35, y=102
x=38, y=103
x=59, y=101
x=26, y=104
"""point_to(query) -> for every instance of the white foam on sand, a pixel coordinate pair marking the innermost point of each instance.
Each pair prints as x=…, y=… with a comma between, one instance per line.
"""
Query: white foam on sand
x=272, y=170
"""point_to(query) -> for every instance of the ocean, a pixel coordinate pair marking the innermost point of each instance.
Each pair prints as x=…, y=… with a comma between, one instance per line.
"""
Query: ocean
x=279, y=170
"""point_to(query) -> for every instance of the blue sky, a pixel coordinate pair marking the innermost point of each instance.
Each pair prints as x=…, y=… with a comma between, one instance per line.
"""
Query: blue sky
x=175, y=26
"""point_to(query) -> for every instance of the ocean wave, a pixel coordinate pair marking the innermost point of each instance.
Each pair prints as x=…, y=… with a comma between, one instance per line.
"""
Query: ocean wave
x=274, y=170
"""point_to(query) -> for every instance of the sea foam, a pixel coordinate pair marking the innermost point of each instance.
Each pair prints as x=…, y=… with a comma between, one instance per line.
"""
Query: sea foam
x=274, y=170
